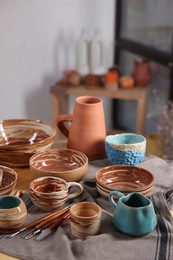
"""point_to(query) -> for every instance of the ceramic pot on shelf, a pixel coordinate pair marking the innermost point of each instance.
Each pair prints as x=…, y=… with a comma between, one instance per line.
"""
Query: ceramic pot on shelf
x=87, y=131
x=141, y=73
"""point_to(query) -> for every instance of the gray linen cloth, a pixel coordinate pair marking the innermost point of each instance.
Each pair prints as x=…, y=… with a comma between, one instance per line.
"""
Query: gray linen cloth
x=109, y=243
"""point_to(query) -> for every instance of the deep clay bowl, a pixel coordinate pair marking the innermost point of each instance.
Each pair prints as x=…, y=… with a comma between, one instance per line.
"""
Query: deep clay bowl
x=21, y=138
x=68, y=164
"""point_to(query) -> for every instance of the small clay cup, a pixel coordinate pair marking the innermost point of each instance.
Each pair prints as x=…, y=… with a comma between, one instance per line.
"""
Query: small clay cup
x=49, y=193
x=13, y=213
x=85, y=218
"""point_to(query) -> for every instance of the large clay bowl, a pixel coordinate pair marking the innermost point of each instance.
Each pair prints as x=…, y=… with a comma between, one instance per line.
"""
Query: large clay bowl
x=8, y=180
x=13, y=213
x=68, y=164
x=123, y=178
x=21, y=138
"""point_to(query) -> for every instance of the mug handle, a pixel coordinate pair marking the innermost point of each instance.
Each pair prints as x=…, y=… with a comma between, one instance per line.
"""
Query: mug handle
x=111, y=197
x=60, y=120
x=76, y=193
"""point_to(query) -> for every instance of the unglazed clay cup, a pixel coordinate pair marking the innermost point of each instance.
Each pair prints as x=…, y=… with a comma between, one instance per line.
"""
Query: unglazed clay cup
x=134, y=213
x=85, y=219
x=13, y=213
x=49, y=193
x=8, y=180
x=127, y=148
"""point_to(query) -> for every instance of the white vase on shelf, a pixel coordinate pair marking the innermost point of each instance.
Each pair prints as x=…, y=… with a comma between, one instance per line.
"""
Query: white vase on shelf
x=97, y=54
x=83, y=53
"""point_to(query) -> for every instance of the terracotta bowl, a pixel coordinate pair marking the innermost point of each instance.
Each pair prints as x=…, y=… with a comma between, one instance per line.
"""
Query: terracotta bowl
x=13, y=213
x=70, y=165
x=21, y=138
x=8, y=180
x=123, y=178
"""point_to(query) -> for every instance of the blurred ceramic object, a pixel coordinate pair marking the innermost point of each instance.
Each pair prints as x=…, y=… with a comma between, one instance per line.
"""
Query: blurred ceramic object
x=87, y=132
x=126, y=148
x=8, y=180
x=123, y=178
x=141, y=73
x=126, y=82
x=134, y=214
x=21, y=138
x=67, y=164
x=85, y=218
x=13, y=213
x=49, y=193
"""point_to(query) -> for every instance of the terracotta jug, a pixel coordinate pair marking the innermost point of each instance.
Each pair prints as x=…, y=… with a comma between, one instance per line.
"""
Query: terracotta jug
x=141, y=73
x=87, y=131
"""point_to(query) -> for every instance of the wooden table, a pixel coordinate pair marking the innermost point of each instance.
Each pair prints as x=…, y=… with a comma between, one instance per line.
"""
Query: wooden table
x=59, y=100
x=25, y=176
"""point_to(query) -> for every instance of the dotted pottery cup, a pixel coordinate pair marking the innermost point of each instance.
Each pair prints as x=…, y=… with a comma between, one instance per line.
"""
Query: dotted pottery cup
x=128, y=148
x=85, y=218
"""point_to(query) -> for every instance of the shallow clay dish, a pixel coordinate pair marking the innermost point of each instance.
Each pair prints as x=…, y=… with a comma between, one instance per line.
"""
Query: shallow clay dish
x=68, y=164
x=8, y=180
x=123, y=178
x=21, y=138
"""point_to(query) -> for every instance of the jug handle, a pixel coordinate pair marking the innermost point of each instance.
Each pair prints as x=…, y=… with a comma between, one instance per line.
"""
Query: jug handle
x=61, y=119
x=111, y=197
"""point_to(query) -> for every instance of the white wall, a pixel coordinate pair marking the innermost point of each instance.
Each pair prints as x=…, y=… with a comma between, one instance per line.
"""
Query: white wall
x=37, y=42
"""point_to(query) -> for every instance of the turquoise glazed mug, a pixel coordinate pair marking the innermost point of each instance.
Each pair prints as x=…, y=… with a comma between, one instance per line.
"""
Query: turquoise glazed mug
x=127, y=149
x=134, y=213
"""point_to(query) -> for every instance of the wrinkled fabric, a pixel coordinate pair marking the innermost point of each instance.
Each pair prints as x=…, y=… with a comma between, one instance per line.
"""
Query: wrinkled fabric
x=109, y=243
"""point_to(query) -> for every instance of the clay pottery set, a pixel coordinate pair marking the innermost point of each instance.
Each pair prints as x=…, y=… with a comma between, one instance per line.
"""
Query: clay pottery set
x=87, y=131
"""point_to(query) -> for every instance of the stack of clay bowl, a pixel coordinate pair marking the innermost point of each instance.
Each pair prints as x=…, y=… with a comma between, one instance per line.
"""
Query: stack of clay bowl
x=126, y=179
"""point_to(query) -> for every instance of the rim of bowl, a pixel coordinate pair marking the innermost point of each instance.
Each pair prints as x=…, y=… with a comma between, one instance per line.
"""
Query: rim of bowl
x=108, y=137
x=57, y=150
x=47, y=177
x=30, y=120
x=126, y=167
x=85, y=204
x=9, y=170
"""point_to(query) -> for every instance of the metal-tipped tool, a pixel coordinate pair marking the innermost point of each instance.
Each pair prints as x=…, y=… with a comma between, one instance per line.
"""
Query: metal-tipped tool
x=42, y=220
x=52, y=228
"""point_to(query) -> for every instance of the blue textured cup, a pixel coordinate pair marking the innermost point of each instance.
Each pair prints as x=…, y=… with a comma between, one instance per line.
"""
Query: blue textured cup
x=134, y=213
x=127, y=149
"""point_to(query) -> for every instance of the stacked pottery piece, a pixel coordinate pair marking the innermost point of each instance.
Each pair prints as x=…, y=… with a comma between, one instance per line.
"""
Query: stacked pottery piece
x=125, y=179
